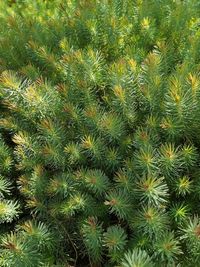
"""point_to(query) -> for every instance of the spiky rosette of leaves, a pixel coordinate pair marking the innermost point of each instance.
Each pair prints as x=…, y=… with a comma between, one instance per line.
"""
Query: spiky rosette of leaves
x=152, y=190
x=119, y=204
x=9, y=210
x=93, y=238
x=168, y=248
x=190, y=232
x=169, y=159
x=180, y=212
x=6, y=160
x=115, y=240
x=96, y=181
x=136, y=257
x=28, y=247
x=5, y=186
x=151, y=220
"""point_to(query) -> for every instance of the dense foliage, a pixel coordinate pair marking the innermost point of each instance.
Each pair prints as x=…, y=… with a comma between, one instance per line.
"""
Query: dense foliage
x=99, y=133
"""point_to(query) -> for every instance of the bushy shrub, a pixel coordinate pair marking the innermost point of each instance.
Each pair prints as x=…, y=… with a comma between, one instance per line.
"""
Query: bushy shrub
x=100, y=133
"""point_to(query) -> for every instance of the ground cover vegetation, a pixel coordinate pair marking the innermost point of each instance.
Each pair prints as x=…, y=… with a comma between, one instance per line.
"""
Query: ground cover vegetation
x=99, y=133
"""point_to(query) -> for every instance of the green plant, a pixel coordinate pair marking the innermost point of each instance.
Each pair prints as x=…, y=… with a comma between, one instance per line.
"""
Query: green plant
x=99, y=122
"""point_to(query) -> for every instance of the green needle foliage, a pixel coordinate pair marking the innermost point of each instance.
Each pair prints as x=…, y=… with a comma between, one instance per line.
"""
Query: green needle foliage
x=99, y=133
x=137, y=257
x=9, y=208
